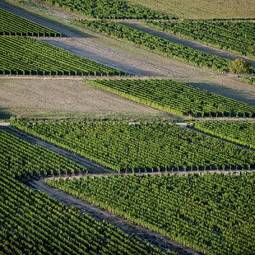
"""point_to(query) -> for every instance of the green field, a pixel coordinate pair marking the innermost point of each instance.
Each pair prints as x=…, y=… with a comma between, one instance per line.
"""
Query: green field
x=202, y=9
x=212, y=213
x=114, y=9
x=141, y=146
x=11, y=24
x=237, y=36
x=240, y=132
x=157, y=44
x=26, y=56
x=32, y=223
x=176, y=97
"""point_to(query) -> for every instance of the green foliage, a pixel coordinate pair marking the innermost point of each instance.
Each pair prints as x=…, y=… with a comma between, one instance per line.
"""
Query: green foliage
x=111, y=9
x=32, y=223
x=11, y=24
x=250, y=80
x=234, y=131
x=141, y=146
x=176, y=97
x=27, y=56
x=159, y=45
x=212, y=213
x=230, y=35
x=239, y=66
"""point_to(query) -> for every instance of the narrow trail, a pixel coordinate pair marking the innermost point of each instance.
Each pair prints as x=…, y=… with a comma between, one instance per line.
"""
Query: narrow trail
x=98, y=213
x=187, y=42
x=93, y=167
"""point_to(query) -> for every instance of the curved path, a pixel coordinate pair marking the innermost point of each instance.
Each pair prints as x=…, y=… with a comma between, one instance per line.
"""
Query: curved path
x=186, y=42
x=100, y=214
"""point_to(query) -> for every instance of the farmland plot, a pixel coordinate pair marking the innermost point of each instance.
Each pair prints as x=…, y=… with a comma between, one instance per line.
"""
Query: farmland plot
x=33, y=223
x=212, y=213
x=26, y=56
x=149, y=146
x=11, y=24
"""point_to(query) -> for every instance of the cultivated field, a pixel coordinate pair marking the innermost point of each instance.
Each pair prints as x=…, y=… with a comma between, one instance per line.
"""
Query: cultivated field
x=126, y=129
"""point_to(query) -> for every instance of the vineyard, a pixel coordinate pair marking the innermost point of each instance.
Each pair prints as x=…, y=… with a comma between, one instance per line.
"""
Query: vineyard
x=11, y=24
x=32, y=223
x=211, y=213
x=234, y=131
x=176, y=97
x=114, y=9
x=238, y=36
x=141, y=146
x=158, y=45
x=26, y=56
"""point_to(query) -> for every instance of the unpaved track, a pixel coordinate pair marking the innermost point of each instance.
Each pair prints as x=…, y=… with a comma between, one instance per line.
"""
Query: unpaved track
x=97, y=213
x=100, y=214
x=185, y=42
x=91, y=166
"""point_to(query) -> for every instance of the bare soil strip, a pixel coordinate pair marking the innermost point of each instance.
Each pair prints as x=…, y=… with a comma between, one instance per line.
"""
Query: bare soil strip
x=97, y=213
x=188, y=43
x=57, y=26
x=100, y=214
x=95, y=168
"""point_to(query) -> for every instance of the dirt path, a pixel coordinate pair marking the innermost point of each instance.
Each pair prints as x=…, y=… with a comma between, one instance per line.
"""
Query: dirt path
x=100, y=214
x=188, y=43
x=97, y=213
x=92, y=167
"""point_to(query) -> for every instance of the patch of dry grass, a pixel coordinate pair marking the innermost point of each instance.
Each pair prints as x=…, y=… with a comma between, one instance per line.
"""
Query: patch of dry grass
x=205, y=9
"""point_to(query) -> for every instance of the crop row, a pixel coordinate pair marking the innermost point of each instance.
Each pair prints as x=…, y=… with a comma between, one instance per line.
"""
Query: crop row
x=114, y=9
x=158, y=44
x=26, y=56
x=11, y=24
x=141, y=146
x=33, y=223
x=234, y=131
x=238, y=36
x=176, y=97
x=212, y=213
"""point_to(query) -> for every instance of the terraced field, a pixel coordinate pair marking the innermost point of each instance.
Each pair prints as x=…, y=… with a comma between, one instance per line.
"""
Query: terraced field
x=11, y=24
x=212, y=213
x=141, y=146
x=39, y=58
x=177, y=98
x=230, y=35
x=33, y=223
x=235, y=131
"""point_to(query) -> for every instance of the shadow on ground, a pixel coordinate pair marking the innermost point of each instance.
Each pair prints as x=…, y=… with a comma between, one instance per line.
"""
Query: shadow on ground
x=4, y=114
x=239, y=95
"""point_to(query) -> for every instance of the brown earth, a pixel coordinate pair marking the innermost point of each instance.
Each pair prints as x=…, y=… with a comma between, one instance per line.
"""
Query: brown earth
x=57, y=97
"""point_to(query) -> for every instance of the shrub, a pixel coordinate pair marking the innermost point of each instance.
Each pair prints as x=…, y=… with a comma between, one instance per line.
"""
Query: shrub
x=239, y=66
